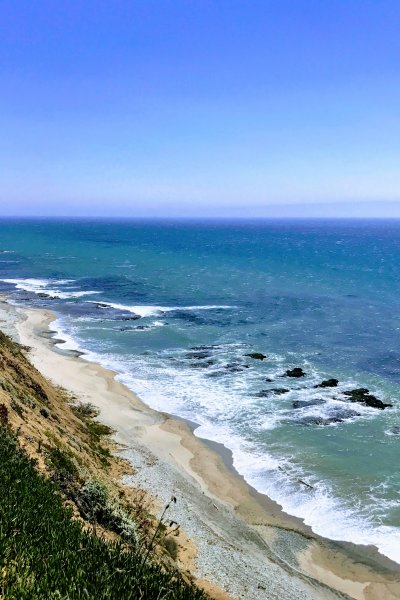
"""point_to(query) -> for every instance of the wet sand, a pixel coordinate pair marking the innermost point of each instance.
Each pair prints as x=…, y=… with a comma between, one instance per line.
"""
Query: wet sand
x=245, y=543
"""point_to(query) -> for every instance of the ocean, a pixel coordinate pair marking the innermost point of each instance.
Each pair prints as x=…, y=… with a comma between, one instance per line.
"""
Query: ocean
x=175, y=308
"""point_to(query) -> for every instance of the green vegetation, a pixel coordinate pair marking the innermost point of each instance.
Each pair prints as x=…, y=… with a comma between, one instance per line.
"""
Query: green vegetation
x=7, y=342
x=86, y=412
x=62, y=462
x=46, y=555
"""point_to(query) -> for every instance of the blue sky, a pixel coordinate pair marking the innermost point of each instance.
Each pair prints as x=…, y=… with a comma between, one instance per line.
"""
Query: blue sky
x=200, y=107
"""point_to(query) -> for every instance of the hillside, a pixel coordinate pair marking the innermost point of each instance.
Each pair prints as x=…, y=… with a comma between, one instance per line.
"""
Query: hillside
x=68, y=529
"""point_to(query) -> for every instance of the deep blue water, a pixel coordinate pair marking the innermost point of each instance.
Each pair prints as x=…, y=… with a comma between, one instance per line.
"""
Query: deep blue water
x=324, y=296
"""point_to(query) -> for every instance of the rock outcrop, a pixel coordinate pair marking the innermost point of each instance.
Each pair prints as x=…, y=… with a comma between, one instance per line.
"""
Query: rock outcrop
x=296, y=372
x=327, y=383
x=256, y=355
x=363, y=396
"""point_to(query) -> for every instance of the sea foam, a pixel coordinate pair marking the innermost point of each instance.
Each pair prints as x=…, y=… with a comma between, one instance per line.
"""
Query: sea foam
x=150, y=310
x=46, y=286
x=213, y=407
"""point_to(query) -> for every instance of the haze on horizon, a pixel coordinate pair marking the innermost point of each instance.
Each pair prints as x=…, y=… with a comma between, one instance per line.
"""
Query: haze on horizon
x=200, y=108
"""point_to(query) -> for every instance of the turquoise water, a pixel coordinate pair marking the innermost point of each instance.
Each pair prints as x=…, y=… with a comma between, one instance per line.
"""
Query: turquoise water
x=175, y=307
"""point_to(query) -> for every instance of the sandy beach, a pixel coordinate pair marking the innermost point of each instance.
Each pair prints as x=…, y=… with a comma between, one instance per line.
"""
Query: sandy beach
x=244, y=543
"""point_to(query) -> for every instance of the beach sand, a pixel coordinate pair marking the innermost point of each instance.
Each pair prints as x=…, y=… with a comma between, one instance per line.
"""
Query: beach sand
x=245, y=544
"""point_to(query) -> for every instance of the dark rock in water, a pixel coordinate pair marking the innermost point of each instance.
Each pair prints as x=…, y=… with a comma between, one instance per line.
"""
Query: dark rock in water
x=236, y=367
x=305, y=403
x=198, y=355
x=346, y=413
x=363, y=396
x=256, y=355
x=204, y=347
x=395, y=430
x=203, y=364
x=137, y=328
x=101, y=305
x=273, y=391
x=44, y=296
x=130, y=318
x=296, y=372
x=338, y=417
x=311, y=421
x=327, y=383
x=215, y=374
x=268, y=380
x=357, y=393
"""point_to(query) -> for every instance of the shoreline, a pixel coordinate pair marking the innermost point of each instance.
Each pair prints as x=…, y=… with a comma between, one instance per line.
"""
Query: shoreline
x=227, y=510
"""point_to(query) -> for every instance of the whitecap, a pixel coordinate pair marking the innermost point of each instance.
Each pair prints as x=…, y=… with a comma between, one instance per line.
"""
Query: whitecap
x=214, y=407
x=44, y=286
x=151, y=310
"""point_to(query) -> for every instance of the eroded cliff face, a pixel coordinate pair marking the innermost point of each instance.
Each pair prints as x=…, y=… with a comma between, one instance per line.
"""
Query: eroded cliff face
x=71, y=447
x=45, y=416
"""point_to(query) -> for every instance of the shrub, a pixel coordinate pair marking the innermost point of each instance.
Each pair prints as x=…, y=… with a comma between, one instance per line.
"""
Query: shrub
x=96, y=506
x=17, y=408
x=85, y=410
x=3, y=415
x=62, y=462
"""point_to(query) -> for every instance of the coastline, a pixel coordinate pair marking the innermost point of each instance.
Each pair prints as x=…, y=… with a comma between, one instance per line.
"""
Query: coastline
x=228, y=521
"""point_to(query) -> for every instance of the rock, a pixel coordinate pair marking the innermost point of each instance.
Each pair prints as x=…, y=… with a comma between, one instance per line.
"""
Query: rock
x=273, y=391
x=338, y=417
x=236, y=367
x=305, y=403
x=374, y=402
x=130, y=318
x=395, y=430
x=198, y=355
x=101, y=305
x=307, y=421
x=267, y=380
x=203, y=364
x=296, y=372
x=363, y=396
x=215, y=374
x=256, y=355
x=346, y=413
x=357, y=393
x=327, y=383
x=205, y=347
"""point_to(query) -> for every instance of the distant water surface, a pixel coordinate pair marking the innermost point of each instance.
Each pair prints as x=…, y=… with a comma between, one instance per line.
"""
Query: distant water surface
x=175, y=307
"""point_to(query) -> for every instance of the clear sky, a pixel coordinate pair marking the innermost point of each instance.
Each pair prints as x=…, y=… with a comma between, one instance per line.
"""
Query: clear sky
x=200, y=107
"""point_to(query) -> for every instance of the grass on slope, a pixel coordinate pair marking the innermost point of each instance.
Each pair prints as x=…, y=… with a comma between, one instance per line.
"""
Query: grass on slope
x=46, y=555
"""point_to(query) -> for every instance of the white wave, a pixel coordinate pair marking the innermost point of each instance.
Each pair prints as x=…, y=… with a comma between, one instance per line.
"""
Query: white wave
x=395, y=432
x=151, y=310
x=65, y=341
x=65, y=295
x=326, y=514
x=43, y=286
x=29, y=284
x=214, y=407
